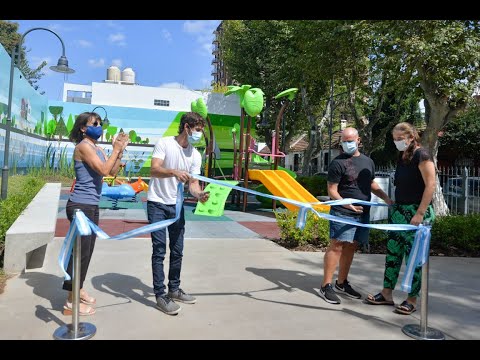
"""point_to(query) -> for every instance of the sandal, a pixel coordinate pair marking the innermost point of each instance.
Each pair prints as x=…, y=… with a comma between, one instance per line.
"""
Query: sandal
x=87, y=299
x=405, y=308
x=378, y=299
x=68, y=310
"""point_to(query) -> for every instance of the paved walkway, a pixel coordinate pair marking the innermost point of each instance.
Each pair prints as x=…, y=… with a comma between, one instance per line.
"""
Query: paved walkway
x=247, y=288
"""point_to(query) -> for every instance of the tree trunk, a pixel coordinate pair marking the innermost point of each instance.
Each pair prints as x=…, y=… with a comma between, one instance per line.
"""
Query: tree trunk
x=438, y=112
x=311, y=143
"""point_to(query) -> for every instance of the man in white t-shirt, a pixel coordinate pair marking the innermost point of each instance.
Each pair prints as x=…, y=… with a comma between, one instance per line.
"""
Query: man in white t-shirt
x=174, y=159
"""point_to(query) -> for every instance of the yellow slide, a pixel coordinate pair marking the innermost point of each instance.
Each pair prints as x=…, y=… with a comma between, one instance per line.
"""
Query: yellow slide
x=280, y=183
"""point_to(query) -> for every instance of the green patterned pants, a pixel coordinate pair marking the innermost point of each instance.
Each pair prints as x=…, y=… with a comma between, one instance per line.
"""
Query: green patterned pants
x=400, y=244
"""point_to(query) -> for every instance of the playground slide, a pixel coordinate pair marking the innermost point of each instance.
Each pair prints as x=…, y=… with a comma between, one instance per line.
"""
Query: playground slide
x=280, y=183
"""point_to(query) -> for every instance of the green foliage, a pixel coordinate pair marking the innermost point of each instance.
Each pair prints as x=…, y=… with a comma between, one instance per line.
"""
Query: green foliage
x=219, y=89
x=460, y=136
x=55, y=111
x=70, y=123
x=9, y=37
x=132, y=135
x=457, y=231
x=377, y=236
x=316, y=231
x=316, y=185
x=51, y=127
x=112, y=130
x=21, y=191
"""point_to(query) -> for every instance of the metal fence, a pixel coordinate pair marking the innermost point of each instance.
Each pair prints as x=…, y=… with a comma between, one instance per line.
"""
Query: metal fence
x=460, y=186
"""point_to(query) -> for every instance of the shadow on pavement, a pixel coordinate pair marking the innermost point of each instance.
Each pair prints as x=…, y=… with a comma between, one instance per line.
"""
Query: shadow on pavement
x=124, y=286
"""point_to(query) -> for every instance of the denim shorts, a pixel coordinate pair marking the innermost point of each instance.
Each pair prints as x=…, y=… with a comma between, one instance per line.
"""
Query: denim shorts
x=349, y=233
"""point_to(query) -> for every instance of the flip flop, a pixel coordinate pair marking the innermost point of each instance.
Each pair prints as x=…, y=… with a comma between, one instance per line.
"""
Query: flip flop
x=405, y=308
x=378, y=299
x=68, y=310
x=87, y=299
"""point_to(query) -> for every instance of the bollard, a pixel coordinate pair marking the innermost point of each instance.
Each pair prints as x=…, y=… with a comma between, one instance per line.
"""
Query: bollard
x=422, y=331
x=76, y=330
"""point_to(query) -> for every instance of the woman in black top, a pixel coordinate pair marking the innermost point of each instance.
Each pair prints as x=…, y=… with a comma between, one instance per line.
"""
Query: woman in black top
x=414, y=188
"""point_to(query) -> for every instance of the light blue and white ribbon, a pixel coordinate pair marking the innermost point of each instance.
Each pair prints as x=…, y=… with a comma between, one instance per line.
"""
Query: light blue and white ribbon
x=418, y=255
x=83, y=226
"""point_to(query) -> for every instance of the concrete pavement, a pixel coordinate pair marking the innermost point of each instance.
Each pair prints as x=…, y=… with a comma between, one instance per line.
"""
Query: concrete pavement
x=247, y=288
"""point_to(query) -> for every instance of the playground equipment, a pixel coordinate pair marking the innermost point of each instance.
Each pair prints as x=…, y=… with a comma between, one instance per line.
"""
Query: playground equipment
x=275, y=179
x=125, y=190
x=200, y=108
x=216, y=203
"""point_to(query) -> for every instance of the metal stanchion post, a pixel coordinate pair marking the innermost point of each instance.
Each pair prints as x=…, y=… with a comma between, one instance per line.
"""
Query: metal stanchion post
x=422, y=331
x=76, y=330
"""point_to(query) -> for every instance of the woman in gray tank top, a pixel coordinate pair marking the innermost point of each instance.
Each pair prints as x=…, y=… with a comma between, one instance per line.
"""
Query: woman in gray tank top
x=91, y=165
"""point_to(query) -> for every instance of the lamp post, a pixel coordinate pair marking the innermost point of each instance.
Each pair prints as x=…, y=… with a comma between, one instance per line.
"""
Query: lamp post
x=105, y=119
x=62, y=66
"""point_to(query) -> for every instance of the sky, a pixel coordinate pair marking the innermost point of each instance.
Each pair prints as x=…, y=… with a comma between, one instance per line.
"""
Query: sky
x=169, y=53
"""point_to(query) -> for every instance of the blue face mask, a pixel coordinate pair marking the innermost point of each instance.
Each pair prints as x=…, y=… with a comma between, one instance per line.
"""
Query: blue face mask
x=94, y=132
x=195, y=137
x=349, y=147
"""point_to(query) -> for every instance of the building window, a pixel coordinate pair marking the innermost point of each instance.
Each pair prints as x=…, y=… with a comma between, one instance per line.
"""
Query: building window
x=161, y=102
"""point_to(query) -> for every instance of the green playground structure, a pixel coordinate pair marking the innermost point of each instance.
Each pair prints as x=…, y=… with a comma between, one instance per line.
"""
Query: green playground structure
x=215, y=205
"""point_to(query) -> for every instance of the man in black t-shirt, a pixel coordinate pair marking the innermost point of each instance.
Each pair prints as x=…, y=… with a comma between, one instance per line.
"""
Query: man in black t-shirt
x=350, y=175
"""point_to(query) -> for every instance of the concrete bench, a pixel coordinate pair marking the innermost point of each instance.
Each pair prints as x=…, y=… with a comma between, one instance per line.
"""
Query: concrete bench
x=26, y=240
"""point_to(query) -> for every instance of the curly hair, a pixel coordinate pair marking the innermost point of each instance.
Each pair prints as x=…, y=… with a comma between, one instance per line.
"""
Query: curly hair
x=76, y=135
x=410, y=132
x=192, y=119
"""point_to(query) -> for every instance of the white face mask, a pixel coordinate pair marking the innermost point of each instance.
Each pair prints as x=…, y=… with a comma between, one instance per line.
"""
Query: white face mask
x=349, y=147
x=401, y=145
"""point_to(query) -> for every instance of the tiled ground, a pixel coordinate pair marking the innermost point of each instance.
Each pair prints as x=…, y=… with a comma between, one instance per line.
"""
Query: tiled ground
x=129, y=215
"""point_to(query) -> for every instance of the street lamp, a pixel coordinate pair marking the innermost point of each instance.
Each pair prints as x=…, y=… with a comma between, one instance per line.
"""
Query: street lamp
x=105, y=120
x=62, y=66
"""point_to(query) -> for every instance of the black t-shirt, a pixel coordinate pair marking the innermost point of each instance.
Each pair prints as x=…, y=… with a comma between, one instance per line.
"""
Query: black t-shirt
x=409, y=184
x=354, y=176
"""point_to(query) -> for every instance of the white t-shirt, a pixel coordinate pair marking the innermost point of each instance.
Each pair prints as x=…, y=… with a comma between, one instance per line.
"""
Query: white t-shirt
x=164, y=190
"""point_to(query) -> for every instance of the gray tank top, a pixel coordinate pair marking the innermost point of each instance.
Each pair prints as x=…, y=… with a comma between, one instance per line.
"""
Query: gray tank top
x=88, y=185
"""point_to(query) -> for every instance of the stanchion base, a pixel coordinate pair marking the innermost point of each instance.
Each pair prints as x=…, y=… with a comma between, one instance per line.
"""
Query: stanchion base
x=65, y=332
x=414, y=331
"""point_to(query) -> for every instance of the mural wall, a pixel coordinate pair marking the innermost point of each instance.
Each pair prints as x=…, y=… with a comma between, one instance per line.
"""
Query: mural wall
x=40, y=127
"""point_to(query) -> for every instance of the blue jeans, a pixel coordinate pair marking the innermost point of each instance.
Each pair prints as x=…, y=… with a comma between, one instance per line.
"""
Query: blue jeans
x=157, y=212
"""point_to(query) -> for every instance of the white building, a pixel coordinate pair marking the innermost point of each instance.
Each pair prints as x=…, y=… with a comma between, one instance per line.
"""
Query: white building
x=127, y=93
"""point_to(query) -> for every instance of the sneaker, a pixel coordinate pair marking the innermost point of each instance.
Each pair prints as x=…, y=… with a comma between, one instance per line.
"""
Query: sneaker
x=180, y=295
x=329, y=295
x=346, y=289
x=167, y=305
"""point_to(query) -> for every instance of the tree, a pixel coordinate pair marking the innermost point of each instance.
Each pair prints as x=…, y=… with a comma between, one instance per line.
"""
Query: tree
x=70, y=123
x=61, y=129
x=442, y=58
x=264, y=53
x=9, y=37
x=460, y=136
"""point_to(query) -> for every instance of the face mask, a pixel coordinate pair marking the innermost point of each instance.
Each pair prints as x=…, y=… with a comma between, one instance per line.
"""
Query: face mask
x=349, y=147
x=94, y=132
x=195, y=137
x=401, y=145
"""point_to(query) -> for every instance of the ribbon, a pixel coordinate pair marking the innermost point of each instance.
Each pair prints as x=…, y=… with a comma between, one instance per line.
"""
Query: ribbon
x=418, y=255
x=82, y=226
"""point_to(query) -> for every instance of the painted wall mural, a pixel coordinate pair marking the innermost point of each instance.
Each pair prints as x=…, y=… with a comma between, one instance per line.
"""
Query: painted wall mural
x=40, y=127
